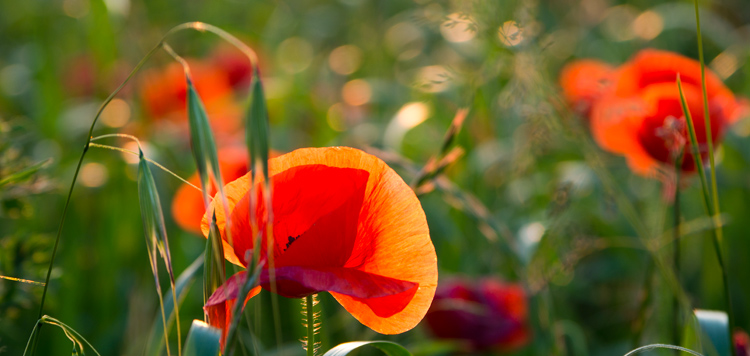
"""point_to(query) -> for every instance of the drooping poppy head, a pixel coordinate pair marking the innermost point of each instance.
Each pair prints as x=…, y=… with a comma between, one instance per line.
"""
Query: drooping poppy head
x=640, y=115
x=343, y=222
x=482, y=315
x=187, y=206
x=164, y=95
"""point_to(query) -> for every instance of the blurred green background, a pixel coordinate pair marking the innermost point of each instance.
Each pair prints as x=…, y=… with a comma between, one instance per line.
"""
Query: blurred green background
x=365, y=73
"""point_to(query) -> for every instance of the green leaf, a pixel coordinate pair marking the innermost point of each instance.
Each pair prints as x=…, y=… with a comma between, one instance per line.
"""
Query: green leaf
x=207, y=162
x=156, y=343
x=153, y=217
x=715, y=325
x=24, y=173
x=202, y=340
x=388, y=348
x=156, y=236
x=257, y=129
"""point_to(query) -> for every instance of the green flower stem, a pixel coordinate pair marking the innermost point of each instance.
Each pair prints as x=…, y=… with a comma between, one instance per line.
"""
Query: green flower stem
x=310, y=325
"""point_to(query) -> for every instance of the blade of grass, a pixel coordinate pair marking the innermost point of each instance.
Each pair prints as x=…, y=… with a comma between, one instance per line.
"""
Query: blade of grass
x=24, y=173
x=182, y=286
x=257, y=133
x=156, y=239
x=719, y=232
x=662, y=346
x=710, y=210
x=70, y=333
x=676, y=329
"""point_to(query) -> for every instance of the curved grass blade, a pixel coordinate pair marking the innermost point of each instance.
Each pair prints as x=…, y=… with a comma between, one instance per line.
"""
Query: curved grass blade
x=715, y=324
x=155, y=343
x=156, y=238
x=72, y=335
x=202, y=340
x=388, y=348
x=662, y=346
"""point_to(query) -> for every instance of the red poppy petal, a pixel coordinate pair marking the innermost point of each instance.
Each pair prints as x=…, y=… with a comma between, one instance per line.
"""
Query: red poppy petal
x=221, y=303
x=615, y=121
x=298, y=282
x=584, y=81
x=392, y=238
x=652, y=66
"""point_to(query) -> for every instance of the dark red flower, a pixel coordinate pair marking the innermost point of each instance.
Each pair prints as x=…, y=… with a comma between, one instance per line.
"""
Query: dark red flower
x=741, y=343
x=486, y=314
x=635, y=110
x=343, y=222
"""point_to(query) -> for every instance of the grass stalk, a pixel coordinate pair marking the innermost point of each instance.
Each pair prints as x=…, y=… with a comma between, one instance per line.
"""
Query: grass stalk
x=310, y=341
x=676, y=334
x=710, y=210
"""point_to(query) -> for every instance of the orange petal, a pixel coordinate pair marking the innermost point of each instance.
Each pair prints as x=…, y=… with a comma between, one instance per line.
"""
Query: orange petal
x=652, y=66
x=584, y=81
x=392, y=237
x=615, y=121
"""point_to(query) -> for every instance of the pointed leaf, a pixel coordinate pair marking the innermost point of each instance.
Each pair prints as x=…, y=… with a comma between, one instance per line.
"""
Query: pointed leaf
x=257, y=129
x=388, y=348
x=153, y=218
x=207, y=161
x=202, y=340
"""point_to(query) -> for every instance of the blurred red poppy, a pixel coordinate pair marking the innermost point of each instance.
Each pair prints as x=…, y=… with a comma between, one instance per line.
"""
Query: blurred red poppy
x=741, y=343
x=343, y=222
x=187, y=205
x=164, y=94
x=482, y=315
x=635, y=110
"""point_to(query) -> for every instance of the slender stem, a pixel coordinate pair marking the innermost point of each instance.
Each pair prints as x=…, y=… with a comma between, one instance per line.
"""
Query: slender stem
x=716, y=231
x=719, y=234
x=310, y=325
x=165, y=169
x=676, y=250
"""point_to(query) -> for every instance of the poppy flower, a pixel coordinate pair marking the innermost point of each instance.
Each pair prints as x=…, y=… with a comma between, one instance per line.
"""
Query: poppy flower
x=235, y=65
x=164, y=95
x=187, y=205
x=635, y=111
x=741, y=343
x=486, y=314
x=343, y=222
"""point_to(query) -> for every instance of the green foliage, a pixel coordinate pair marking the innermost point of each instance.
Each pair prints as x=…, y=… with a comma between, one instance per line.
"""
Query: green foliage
x=202, y=340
